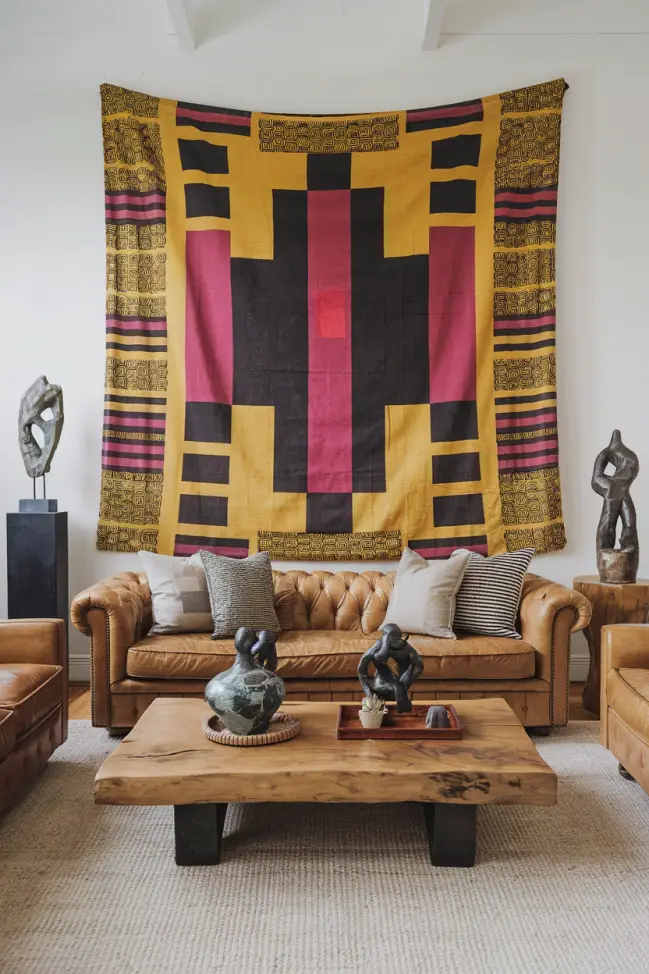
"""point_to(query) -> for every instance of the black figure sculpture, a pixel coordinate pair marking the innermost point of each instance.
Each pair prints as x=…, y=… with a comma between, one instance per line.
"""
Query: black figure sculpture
x=388, y=682
x=616, y=564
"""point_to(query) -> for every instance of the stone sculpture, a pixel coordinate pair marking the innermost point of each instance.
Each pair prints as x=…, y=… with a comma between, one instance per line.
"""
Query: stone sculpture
x=40, y=396
x=616, y=564
x=247, y=695
x=396, y=666
x=437, y=716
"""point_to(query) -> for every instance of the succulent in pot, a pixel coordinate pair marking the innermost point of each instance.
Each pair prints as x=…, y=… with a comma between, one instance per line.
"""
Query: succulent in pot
x=372, y=711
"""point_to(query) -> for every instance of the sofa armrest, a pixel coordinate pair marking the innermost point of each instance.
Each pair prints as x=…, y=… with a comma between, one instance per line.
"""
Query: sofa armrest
x=624, y=644
x=114, y=613
x=549, y=613
x=33, y=641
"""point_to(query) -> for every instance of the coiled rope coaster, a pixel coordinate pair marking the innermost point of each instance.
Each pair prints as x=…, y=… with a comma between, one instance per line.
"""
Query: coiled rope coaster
x=286, y=727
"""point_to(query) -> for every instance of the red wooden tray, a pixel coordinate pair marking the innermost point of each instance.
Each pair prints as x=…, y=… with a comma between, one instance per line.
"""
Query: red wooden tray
x=397, y=727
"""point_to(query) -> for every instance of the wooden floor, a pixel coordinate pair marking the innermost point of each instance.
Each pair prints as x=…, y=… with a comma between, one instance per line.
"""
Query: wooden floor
x=79, y=698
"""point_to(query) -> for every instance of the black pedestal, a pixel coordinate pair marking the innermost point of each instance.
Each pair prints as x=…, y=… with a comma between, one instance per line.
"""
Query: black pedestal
x=37, y=566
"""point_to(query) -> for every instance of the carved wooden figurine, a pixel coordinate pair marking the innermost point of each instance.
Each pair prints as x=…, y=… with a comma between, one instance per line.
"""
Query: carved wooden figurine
x=392, y=682
x=616, y=564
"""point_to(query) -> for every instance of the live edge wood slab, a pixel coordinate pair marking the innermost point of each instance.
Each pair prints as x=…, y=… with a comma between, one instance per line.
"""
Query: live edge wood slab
x=166, y=760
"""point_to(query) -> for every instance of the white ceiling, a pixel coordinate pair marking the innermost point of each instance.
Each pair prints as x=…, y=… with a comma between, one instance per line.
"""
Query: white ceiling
x=150, y=20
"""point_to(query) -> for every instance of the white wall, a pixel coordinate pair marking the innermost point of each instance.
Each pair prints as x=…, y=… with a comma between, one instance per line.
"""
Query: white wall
x=305, y=56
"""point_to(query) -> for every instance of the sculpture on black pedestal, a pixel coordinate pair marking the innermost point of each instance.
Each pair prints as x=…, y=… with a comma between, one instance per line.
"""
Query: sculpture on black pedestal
x=616, y=564
x=40, y=397
x=396, y=666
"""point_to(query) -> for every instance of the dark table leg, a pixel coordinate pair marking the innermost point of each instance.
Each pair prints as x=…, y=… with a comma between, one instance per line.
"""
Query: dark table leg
x=198, y=831
x=451, y=833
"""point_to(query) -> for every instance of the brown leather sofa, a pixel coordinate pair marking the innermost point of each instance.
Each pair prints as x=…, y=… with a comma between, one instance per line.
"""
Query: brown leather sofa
x=328, y=621
x=33, y=699
x=625, y=698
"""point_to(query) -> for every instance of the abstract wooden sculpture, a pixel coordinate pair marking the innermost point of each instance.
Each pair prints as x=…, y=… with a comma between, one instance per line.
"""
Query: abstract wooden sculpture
x=616, y=564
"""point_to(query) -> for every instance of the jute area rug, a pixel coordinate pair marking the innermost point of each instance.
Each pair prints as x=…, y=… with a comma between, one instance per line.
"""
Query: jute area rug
x=334, y=888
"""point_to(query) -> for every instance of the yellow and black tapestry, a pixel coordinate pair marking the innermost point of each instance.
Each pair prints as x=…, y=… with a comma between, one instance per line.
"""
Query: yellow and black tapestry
x=325, y=326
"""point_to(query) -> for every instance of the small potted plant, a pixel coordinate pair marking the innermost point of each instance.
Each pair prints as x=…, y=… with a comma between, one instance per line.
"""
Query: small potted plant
x=372, y=711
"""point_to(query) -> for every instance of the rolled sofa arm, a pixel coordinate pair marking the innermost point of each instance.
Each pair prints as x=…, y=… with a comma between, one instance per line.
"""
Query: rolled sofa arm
x=114, y=613
x=549, y=614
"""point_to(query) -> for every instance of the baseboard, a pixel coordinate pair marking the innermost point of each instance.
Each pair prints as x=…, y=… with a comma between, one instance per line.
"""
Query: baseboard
x=579, y=668
x=78, y=668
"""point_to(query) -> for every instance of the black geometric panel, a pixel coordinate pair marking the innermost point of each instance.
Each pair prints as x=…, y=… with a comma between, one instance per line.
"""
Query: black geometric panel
x=204, y=200
x=329, y=513
x=329, y=170
x=458, y=509
x=203, y=510
x=456, y=468
x=463, y=150
x=196, y=154
x=208, y=422
x=453, y=196
x=453, y=421
x=199, y=469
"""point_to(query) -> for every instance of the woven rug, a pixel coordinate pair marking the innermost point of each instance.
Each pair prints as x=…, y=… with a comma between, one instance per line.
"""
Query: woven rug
x=93, y=889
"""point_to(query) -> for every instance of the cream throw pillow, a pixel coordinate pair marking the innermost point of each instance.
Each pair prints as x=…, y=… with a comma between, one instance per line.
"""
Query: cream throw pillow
x=180, y=601
x=423, y=600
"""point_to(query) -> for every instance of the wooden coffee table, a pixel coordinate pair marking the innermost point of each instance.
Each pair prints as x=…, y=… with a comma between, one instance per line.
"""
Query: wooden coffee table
x=166, y=760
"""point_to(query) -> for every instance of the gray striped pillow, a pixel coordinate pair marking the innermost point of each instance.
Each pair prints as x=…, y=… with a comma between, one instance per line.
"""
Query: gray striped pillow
x=487, y=602
x=241, y=593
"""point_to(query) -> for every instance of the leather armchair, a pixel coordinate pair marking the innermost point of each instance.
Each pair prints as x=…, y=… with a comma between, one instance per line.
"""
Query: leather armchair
x=625, y=698
x=33, y=699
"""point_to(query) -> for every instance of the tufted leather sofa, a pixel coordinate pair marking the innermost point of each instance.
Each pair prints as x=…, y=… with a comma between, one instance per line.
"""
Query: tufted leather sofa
x=328, y=620
x=33, y=699
x=625, y=698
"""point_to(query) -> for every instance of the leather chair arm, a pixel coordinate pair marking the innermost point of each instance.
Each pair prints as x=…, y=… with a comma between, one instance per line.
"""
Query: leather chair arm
x=549, y=613
x=114, y=613
x=33, y=641
x=624, y=644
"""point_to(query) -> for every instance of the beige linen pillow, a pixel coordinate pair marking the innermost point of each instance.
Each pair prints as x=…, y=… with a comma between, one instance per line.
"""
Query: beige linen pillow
x=180, y=601
x=423, y=600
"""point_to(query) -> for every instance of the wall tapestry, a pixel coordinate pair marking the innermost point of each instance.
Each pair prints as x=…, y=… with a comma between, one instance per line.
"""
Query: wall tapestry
x=328, y=335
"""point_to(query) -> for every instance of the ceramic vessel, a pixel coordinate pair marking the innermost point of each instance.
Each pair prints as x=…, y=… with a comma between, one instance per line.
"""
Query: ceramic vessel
x=247, y=695
x=369, y=719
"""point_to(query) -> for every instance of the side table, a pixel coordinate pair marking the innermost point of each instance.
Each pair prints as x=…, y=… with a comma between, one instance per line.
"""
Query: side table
x=611, y=603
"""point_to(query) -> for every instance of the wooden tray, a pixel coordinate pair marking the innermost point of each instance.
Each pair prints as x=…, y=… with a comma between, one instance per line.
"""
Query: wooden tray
x=397, y=727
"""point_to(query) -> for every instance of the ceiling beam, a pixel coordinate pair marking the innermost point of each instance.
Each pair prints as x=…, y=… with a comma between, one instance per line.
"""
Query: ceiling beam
x=433, y=18
x=182, y=23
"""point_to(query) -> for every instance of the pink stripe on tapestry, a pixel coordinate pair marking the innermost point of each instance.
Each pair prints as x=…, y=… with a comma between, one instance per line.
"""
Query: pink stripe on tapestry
x=527, y=420
x=533, y=447
x=452, y=111
x=242, y=120
x=533, y=211
x=528, y=464
x=208, y=318
x=451, y=310
x=136, y=200
x=132, y=462
x=116, y=446
x=539, y=194
x=116, y=214
x=117, y=419
x=330, y=349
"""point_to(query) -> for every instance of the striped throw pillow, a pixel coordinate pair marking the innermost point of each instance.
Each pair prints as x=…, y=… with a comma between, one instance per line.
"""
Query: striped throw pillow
x=241, y=593
x=488, y=599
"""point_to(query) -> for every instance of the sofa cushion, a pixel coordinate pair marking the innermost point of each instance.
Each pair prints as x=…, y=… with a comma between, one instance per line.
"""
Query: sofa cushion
x=627, y=693
x=7, y=733
x=334, y=654
x=31, y=691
